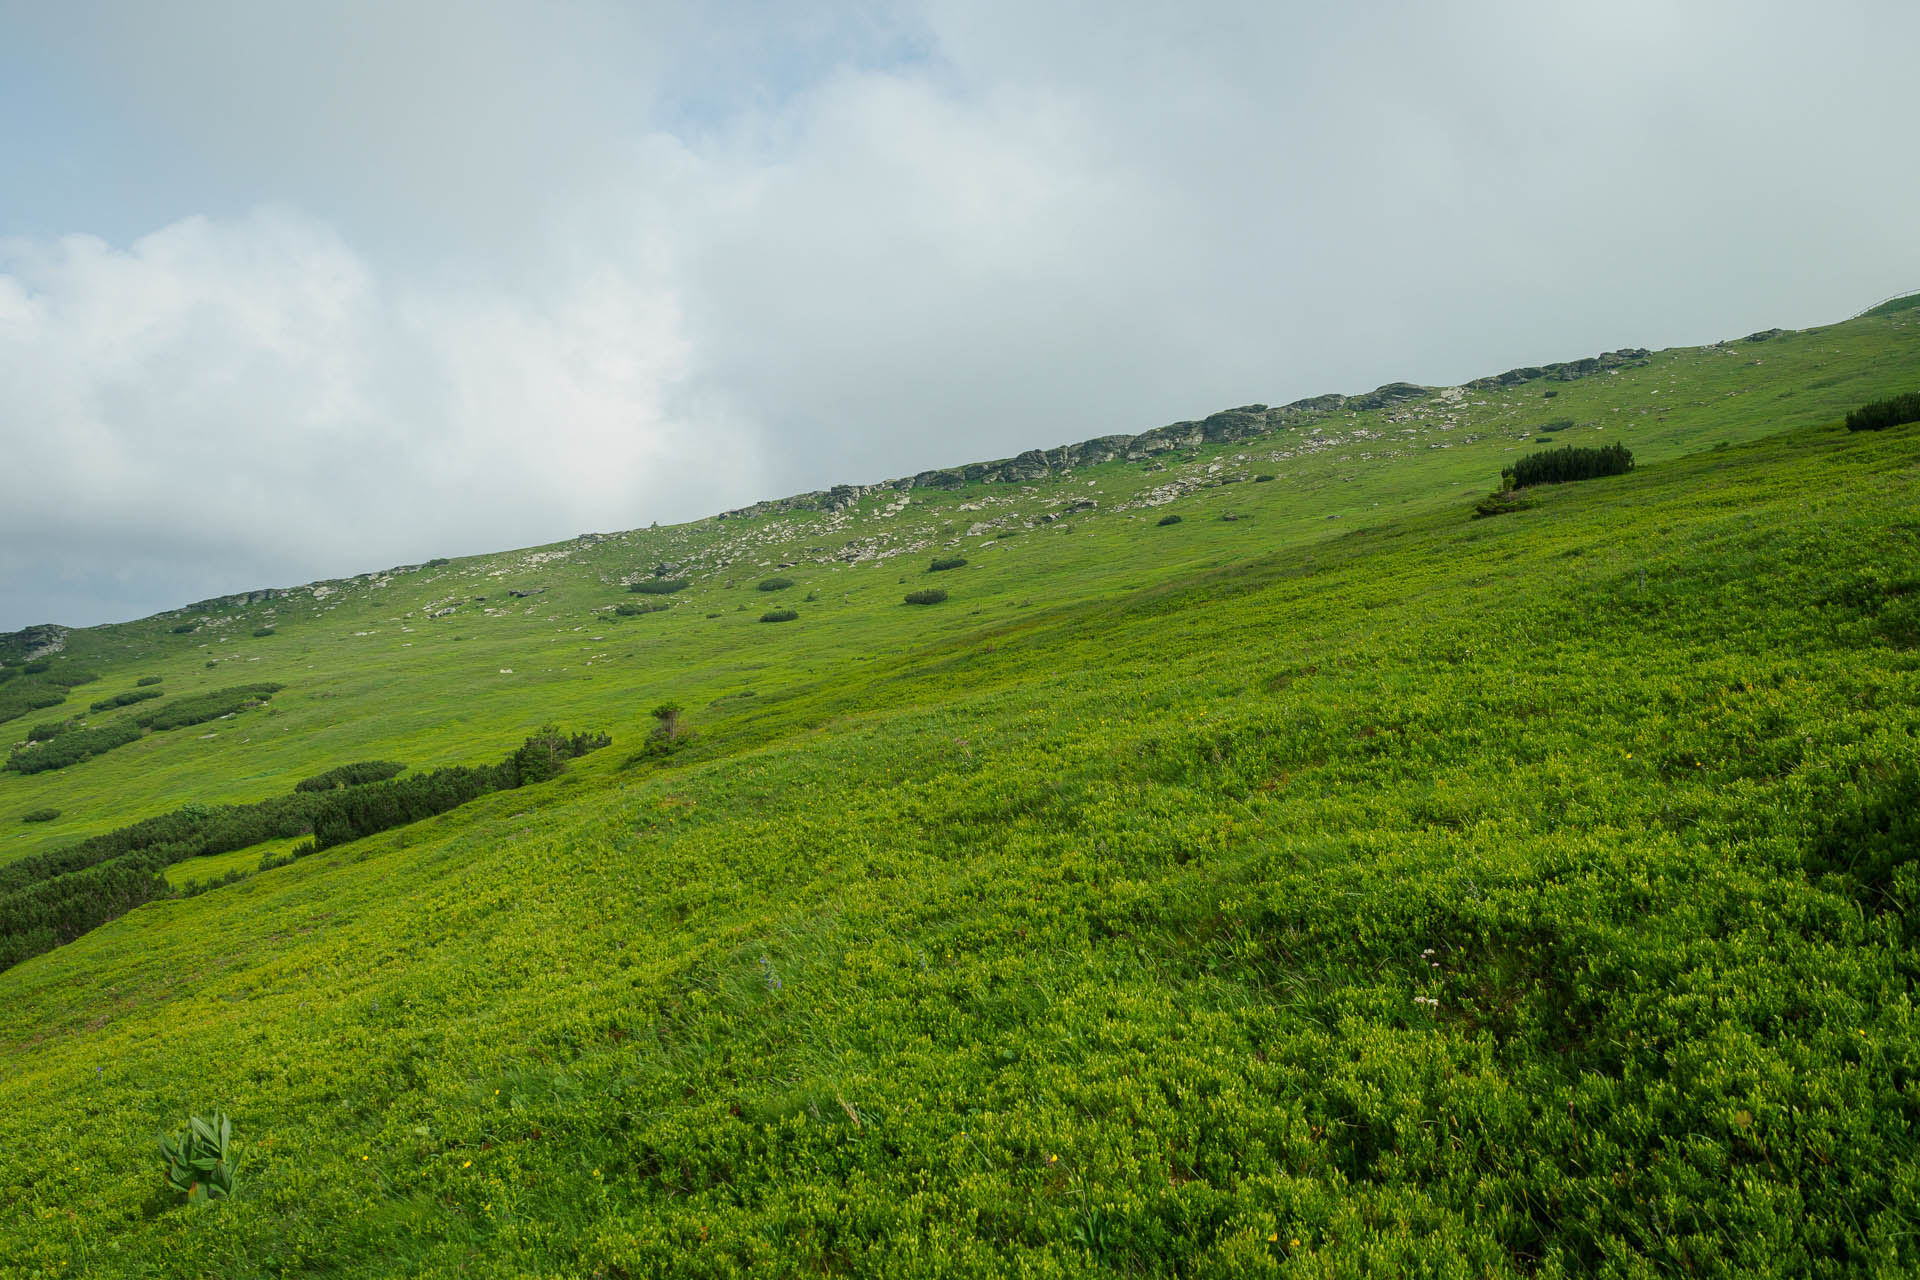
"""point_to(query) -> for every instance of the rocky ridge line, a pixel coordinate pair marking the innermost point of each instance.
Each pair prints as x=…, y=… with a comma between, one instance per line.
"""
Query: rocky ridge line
x=1226, y=427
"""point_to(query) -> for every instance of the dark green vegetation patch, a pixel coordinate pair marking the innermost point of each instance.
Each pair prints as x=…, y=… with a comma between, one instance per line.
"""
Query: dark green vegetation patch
x=943, y=563
x=50, y=899
x=72, y=747
x=1569, y=463
x=126, y=699
x=201, y=707
x=352, y=775
x=659, y=586
x=931, y=595
x=779, y=615
x=776, y=584
x=1894, y=411
x=144, y=681
x=23, y=696
x=39, y=815
x=1166, y=520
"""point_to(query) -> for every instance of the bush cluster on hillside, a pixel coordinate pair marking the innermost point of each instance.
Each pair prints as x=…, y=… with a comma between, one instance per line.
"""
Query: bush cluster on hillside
x=1559, y=466
x=659, y=586
x=39, y=815
x=51, y=898
x=779, y=615
x=941, y=563
x=352, y=775
x=1164, y=521
x=144, y=681
x=19, y=698
x=635, y=608
x=1878, y=415
x=932, y=595
x=72, y=747
x=1498, y=504
x=126, y=699
x=201, y=707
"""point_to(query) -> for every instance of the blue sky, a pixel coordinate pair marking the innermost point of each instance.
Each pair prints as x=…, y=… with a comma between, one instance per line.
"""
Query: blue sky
x=294, y=291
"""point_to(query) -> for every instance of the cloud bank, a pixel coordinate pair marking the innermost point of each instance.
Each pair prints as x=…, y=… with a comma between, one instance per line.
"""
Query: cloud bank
x=292, y=294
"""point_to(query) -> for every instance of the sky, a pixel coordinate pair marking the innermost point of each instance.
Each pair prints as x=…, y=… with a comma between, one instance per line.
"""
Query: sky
x=296, y=291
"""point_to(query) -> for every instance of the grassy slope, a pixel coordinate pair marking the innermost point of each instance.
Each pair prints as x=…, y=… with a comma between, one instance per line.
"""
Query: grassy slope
x=1077, y=922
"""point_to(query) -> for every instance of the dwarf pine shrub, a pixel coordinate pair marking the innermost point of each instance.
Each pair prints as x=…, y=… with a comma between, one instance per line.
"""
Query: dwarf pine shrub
x=126, y=699
x=941, y=563
x=1880, y=414
x=1560, y=466
x=1167, y=520
x=776, y=584
x=358, y=774
x=659, y=586
x=779, y=615
x=932, y=595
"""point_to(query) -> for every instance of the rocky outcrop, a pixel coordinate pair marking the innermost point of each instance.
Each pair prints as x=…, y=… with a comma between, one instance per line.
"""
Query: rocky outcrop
x=33, y=642
x=1228, y=426
x=1565, y=371
x=239, y=600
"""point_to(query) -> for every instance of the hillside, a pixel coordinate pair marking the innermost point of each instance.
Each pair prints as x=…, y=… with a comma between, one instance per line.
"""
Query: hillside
x=1326, y=883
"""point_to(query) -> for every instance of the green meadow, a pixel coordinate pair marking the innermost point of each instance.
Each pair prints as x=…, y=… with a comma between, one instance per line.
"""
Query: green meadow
x=1331, y=883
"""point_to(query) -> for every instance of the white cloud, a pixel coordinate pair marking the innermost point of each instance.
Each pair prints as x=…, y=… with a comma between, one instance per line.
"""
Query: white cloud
x=224, y=399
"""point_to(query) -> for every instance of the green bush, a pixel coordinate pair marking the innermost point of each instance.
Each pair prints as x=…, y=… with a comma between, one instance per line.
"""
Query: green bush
x=49, y=729
x=1560, y=466
x=633, y=608
x=28, y=695
x=1881, y=414
x=126, y=699
x=946, y=562
x=776, y=584
x=201, y=1162
x=1264, y=478
x=1164, y=521
x=1558, y=424
x=39, y=815
x=1499, y=504
x=779, y=615
x=202, y=707
x=262, y=631
x=72, y=747
x=39, y=666
x=144, y=681
x=357, y=774
x=185, y=628
x=932, y=595
x=659, y=586
x=669, y=732
x=71, y=677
